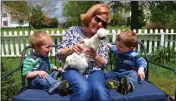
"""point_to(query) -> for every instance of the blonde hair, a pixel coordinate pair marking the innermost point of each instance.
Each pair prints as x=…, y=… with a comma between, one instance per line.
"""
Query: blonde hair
x=37, y=38
x=128, y=38
x=96, y=9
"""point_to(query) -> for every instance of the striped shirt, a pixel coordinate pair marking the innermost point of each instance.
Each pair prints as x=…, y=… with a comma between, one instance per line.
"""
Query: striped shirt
x=30, y=64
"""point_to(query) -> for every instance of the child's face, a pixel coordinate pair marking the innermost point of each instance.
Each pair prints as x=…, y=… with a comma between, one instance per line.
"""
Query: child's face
x=122, y=48
x=46, y=47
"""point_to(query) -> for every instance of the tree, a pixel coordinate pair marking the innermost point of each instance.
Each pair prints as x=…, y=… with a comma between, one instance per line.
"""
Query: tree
x=72, y=11
x=134, y=15
x=116, y=8
x=37, y=18
x=163, y=13
x=17, y=8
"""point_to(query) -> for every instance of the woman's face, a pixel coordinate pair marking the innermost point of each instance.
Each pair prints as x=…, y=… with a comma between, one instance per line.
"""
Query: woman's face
x=98, y=21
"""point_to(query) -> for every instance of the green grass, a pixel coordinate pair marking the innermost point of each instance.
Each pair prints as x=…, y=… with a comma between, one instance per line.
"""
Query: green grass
x=163, y=78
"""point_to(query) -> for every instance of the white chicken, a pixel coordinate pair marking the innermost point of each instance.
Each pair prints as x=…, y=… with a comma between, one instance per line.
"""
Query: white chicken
x=80, y=62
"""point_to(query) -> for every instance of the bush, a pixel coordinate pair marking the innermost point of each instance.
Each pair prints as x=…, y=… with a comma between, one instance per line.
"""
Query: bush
x=155, y=25
x=164, y=55
x=50, y=22
x=8, y=87
x=118, y=20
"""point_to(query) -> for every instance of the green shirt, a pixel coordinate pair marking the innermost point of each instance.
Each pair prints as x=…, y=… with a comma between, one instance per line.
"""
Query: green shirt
x=30, y=65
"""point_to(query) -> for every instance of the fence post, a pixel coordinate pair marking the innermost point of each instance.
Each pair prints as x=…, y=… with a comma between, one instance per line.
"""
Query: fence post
x=113, y=35
x=150, y=41
x=171, y=39
x=155, y=39
x=162, y=38
x=166, y=37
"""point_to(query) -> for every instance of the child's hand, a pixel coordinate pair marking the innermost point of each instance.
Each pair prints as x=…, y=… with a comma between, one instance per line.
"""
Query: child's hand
x=141, y=73
x=109, y=45
x=60, y=69
x=43, y=74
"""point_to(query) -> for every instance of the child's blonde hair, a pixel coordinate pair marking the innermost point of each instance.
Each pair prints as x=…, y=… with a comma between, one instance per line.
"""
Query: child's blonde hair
x=37, y=38
x=128, y=37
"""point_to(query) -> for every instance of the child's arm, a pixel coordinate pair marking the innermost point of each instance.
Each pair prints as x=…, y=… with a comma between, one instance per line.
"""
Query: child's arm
x=40, y=73
x=141, y=73
x=57, y=68
x=142, y=63
x=113, y=48
x=109, y=45
x=29, y=71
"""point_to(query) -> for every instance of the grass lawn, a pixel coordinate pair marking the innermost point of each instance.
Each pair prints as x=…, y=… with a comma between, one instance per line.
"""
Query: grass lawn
x=163, y=78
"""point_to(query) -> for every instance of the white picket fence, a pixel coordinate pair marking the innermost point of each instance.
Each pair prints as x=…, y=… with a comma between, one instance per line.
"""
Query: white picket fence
x=12, y=43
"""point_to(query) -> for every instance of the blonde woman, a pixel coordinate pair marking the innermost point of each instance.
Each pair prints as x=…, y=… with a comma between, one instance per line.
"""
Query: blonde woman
x=91, y=86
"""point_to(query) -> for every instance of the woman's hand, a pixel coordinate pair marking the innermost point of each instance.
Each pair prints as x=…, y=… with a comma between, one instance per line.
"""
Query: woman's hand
x=90, y=53
x=78, y=48
x=43, y=74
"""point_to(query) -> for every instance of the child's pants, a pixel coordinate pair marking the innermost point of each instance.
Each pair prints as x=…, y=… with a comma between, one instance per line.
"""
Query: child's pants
x=44, y=83
x=131, y=75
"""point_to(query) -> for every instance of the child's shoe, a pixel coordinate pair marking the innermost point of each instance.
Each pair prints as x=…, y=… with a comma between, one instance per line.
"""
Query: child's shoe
x=63, y=88
x=112, y=84
x=124, y=86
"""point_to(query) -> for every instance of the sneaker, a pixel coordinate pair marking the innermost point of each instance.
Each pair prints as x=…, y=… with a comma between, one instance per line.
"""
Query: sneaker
x=63, y=88
x=54, y=87
x=123, y=85
x=112, y=84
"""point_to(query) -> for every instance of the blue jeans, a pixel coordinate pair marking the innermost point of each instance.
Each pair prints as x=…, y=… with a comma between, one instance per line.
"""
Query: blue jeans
x=131, y=75
x=44, y=83
x=99, y=89
x=85, y=89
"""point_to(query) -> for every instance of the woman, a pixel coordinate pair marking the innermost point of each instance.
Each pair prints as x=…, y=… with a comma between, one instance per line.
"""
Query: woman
x=91, y=86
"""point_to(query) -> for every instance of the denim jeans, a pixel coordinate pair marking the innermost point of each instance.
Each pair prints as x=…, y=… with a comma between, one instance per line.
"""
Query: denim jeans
x=91, y=88
x=131, y=75
x=44, y=83
x=99, y=89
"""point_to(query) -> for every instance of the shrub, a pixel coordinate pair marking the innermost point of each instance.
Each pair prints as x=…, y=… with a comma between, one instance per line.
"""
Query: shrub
x=155, y=25
x=118, y=20
x=164, y=55
x=8, y=87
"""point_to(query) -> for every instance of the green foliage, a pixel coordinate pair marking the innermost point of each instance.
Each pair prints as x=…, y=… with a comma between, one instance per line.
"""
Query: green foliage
x=50, y=22
x=17, y=7
x=8, y=86
x=73, y=9
x=116, y=8
x=118, y=20
x=164, y=55
x=38, y=18
x=164, y=12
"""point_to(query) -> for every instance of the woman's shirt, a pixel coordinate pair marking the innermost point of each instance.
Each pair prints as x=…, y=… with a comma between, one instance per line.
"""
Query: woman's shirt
x=74, y=35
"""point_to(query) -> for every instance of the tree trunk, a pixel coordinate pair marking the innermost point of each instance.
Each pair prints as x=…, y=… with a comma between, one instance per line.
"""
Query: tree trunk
x=134, y=15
